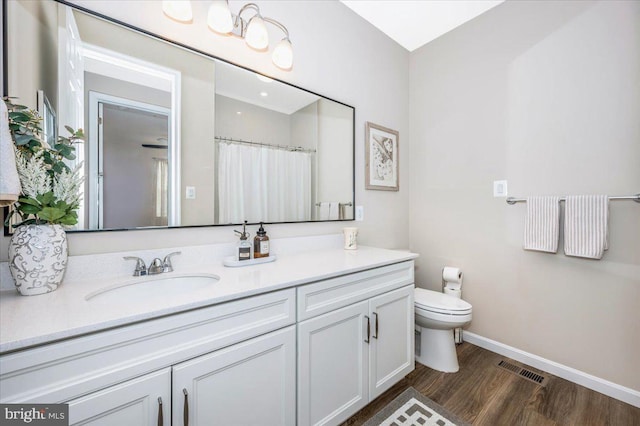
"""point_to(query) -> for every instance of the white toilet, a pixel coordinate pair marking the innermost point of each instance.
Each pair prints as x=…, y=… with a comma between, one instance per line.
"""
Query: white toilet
x=437, y=314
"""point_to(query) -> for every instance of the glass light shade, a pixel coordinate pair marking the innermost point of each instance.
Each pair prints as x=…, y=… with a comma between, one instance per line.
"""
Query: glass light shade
x=219, y=18
x=283, y=55
x=180, y=10
x=257, y=36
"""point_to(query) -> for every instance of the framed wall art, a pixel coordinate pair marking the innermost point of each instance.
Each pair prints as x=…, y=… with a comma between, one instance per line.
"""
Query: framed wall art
x=381, y=158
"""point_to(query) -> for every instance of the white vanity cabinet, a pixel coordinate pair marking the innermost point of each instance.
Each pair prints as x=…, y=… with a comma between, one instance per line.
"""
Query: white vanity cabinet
x=144, y=401
x=391, y=353
x=355, y=340
x=115, y=377
x=251, y=383
x=332, y=366
x=313, y=353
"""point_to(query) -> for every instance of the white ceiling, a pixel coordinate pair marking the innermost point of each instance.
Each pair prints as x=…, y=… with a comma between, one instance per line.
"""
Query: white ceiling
x=415, y=23
x=237, y=83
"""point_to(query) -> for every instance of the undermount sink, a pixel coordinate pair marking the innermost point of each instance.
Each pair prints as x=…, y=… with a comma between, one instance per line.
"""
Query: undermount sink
x=153, y=288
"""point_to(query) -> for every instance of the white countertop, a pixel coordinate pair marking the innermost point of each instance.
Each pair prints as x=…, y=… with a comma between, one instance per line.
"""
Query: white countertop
x=27, y=321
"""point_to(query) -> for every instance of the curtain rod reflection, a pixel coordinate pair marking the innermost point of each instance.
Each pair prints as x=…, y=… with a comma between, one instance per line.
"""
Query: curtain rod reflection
x=349, y=204
x=274, y=146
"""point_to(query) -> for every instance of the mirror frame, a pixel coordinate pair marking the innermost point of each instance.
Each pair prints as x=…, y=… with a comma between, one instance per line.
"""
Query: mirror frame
x=5, y=89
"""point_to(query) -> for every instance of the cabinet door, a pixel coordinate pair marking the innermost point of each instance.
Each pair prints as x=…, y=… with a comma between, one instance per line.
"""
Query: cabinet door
x=250, y=383
x=392, y=339
x=142, y=401
x=332, y=366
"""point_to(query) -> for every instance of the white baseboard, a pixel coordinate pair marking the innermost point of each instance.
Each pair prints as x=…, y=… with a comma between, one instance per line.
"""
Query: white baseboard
x=624, y=394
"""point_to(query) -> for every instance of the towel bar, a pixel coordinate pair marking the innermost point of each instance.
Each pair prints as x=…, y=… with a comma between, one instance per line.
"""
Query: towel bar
x=636, y=198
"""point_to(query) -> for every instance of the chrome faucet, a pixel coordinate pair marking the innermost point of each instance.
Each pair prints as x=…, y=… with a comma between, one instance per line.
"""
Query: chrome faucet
x=141, y=268
x=157, y=266
x=166, y=263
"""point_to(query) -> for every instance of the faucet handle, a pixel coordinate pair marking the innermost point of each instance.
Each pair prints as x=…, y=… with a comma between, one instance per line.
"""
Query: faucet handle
x=156, y=267
x=141, y=268
x=166, y=263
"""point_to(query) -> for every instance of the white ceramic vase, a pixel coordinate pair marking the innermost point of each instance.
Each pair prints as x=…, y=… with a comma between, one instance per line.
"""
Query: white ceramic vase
x=38, y=258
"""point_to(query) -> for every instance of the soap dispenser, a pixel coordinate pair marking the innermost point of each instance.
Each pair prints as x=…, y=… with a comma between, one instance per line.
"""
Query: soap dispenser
x=261, y=243
x=244, y=247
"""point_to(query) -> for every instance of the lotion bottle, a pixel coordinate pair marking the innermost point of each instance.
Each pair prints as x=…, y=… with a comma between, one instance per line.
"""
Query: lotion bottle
x=261, y=243
x=244, y=247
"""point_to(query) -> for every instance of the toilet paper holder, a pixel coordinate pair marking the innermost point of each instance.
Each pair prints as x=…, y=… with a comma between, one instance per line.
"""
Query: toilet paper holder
x=451, y=272
x=457, y=332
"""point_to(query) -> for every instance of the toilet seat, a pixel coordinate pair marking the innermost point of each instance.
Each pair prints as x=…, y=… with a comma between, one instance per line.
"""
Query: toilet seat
x=441, y=303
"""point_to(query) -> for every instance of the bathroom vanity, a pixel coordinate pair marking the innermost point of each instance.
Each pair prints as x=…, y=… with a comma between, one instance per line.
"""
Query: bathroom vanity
x=298, y=341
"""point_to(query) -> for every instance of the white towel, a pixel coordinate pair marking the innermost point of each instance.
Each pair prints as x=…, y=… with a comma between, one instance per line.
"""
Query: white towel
x=586, y=226
x=334, y=210
x=343, y=211
x=542, y=224
x=10, y=187
x=324, y=211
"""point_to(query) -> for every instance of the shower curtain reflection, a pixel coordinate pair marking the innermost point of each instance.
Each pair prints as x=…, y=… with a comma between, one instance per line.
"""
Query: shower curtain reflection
x=260, y=183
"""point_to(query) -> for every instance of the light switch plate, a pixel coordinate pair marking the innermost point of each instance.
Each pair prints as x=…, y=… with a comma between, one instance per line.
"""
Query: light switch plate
x=359, y=213
x=499, y=188
x=190, y=193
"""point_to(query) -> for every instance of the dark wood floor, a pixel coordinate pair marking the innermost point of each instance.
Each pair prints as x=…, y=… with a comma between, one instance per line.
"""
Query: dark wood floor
x=484, y=394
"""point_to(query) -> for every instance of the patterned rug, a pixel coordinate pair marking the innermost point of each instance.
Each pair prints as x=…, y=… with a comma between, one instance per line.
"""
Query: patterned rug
x=411, y=408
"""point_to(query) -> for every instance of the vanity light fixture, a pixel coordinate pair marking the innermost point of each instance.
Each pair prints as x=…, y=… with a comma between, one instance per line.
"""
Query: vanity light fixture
x=180, y=10
x=219, y=17
x=248, y=24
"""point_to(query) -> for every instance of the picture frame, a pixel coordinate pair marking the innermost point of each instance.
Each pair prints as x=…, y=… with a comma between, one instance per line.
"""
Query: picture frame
x=381, y=158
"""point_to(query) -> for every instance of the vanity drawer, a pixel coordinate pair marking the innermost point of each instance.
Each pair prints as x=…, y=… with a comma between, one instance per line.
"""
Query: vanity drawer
x=328, y=295
x=61, y=371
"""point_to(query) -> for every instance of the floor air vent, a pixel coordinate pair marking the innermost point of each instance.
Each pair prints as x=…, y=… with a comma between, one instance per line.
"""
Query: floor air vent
x=523, y=372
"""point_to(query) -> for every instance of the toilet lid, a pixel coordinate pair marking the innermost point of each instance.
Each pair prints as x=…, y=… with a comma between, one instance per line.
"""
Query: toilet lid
x=440, y=302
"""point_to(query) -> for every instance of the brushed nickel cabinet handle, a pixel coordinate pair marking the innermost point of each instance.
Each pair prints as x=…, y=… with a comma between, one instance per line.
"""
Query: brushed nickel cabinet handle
x=368, y=339
x=185, y=412
x=375, y=336
x=160, y=419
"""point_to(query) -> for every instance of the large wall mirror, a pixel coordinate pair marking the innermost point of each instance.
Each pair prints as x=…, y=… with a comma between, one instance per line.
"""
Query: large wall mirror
x=175, y=137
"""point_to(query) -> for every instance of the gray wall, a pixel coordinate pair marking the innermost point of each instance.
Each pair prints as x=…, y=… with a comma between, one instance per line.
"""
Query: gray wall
x=304, y=133
x=40, y=21
x=255, y=124
x=129, y=168
x=334, y=125
x=546, y=95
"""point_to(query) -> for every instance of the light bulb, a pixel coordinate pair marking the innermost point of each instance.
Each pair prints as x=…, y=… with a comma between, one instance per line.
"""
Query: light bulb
x=180, y=10
x=283, y=55
x=219, y=18
x=257, y=36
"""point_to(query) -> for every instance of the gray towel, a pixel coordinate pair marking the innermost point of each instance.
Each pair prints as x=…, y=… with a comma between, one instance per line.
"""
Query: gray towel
x=586, y=226
x=10, y=187
x=542, y=224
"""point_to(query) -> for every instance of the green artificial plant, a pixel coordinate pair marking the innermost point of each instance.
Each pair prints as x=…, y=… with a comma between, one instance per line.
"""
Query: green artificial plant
x=51, y=190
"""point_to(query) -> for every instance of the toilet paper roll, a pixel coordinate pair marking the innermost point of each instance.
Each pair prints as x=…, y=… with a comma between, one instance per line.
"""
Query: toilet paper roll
x=452, y=275
x=457, y=293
